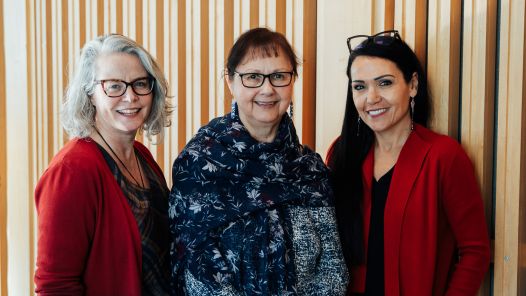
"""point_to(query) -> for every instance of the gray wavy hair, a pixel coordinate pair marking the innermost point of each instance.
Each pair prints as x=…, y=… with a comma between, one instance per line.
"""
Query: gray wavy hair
x=78, y=113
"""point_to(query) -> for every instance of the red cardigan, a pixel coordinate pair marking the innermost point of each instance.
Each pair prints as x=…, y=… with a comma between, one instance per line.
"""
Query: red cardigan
x=88, y=238
x=434, y=209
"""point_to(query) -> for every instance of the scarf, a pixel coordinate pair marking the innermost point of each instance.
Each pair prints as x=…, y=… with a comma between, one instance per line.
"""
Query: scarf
x=229, y=204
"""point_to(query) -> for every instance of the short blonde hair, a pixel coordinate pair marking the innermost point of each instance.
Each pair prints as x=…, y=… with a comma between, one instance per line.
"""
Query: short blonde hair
x=78, y=113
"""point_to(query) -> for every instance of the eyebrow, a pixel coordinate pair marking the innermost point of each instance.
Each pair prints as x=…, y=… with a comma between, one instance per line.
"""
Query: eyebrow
x=377, y=78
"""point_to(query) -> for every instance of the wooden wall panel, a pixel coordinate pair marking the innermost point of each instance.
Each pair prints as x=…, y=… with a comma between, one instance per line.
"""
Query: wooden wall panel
x=478, y=97
x=191, y=38
x=511, y=148
x=443, y=63
x=309, y=74
x=19, y=205
x=3, y=164
x=410, y=20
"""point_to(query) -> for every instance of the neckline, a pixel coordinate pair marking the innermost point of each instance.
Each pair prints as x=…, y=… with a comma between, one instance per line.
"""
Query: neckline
x=122, y=163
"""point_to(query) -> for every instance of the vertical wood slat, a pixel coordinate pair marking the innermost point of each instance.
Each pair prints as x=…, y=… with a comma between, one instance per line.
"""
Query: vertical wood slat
x=49, y=82
x=254, y=13
x=119, y=19
x=511, y=129
x=478, y=90
x=3, y=164
x=181, y=74
x=32, y=140
x=65, y=48
x=281, y=16
x=159, y=57
x=82, y=21
x=309, y=73
x=18, y=168
x=228, y=42
x=443, y=55
x=100, y=17
x=410, y=20
x=389, y=17
x=204, y=70
x=139, y=20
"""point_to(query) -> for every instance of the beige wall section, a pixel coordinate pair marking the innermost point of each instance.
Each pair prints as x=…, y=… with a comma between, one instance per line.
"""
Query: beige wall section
x=19, y=192
x=443, y=63
x=510, y=220
x=337, y=20
x=3, y=167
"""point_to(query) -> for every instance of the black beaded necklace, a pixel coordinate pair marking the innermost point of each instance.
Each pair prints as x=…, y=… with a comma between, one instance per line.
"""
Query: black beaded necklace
x=122, y=163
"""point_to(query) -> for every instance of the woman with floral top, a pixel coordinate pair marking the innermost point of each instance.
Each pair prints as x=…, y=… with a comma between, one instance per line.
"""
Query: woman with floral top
x=251, y=208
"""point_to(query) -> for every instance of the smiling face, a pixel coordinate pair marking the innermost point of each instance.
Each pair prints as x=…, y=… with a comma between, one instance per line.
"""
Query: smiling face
x=122, y=115
x=381, y=94
x=262, y=107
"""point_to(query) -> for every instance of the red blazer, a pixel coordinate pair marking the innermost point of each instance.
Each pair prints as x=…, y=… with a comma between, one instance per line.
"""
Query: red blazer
x=88, y=238
x=434, y=209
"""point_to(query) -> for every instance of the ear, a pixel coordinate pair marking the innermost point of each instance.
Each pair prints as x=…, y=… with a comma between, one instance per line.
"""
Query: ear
x=413, y=85
x=228, y=81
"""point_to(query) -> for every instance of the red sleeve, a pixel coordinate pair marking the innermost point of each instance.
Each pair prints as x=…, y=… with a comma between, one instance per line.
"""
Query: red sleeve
x=465, y=211
x=65, y=198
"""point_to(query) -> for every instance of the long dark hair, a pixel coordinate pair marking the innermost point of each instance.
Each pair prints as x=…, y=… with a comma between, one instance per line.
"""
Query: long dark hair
x=356, y=140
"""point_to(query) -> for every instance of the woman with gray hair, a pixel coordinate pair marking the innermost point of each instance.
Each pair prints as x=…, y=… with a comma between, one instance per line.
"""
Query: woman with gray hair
x=102, y=202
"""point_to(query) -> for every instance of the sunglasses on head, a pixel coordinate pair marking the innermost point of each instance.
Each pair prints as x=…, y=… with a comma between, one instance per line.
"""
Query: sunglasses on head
x=384, y=38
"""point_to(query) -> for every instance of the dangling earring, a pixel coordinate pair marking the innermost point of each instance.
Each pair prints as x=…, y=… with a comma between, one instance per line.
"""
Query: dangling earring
x=291, y=109
x=412, y=112
x=358, y=126
x=233, y=112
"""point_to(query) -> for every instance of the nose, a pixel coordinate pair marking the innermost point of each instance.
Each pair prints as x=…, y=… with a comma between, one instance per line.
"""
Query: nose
x=129, y=95
x=372, y=96
x=266, y=86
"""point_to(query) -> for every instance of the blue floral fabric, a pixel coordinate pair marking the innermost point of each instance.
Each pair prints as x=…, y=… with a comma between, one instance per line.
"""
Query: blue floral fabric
x=250, y=218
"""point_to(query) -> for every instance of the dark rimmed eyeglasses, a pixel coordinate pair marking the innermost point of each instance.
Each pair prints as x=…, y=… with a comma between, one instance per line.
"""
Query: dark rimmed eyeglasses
x=384, y=38
x=115, y=88
x=255, y=80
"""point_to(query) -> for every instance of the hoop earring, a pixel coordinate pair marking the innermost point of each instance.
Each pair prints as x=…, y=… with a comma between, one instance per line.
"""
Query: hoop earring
x=233, y=112
x=291, y=109
x=359, y=123
x=412, y=103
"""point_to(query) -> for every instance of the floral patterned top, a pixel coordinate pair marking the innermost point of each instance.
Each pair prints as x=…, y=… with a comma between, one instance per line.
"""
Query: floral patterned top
x=250, y=218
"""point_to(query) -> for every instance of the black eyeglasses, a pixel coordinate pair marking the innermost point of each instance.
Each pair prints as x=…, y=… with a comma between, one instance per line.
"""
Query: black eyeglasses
x=384, y=38
x=115, y=88
x=255, y=80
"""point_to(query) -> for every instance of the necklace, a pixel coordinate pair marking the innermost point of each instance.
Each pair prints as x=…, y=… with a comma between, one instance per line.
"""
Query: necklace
x=122, y=163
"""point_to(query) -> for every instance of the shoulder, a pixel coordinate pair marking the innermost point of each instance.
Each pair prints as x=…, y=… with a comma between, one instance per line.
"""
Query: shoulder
x=207, y=136
x=82, y=154
x=79, y=158
x=77, y=172
x=442, y=149
x=436, y=140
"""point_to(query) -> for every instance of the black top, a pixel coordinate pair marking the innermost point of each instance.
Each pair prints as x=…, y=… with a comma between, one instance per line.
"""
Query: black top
x=374, y=278
x=150, y=208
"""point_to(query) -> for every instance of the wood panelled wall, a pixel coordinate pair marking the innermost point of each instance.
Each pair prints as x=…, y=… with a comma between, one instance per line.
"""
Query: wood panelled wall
x=473, y=50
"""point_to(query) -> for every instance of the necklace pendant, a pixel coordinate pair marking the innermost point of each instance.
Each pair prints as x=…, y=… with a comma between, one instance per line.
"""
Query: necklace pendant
x=143, y=204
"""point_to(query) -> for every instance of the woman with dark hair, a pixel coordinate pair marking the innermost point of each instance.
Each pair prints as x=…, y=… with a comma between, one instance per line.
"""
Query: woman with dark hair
x=409, y=210
x=251, y=208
